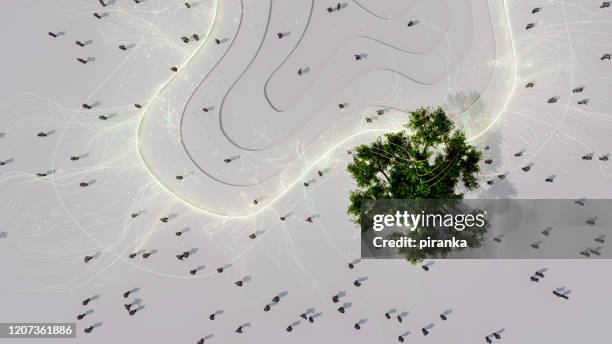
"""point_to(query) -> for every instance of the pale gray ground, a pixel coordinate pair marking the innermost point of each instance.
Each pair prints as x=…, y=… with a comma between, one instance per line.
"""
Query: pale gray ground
x=458, y=47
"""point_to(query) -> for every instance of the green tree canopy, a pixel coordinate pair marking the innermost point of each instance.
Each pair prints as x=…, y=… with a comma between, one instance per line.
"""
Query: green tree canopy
x=428, y=159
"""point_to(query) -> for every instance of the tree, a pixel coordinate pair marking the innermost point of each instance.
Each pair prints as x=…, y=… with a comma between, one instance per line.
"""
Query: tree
x=428, y=159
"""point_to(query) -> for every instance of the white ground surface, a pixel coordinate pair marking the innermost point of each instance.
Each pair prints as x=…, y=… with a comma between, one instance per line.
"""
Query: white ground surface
x=473, y=57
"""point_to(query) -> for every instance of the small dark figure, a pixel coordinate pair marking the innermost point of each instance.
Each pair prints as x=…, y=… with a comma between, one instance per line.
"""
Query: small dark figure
x=351, y=265
x=529, y=85
x=83, y=61
x=81, y=316
x=552, y=100
x=97, y=15
x=102, y=117
x=357, y=283
x=238, y=283
x=164, y=219
x=138, y=106
x=252, y=236
x=289, y=328
x=218, y=41
x=357, y=326
x=320, y=173
x=122, y=47
x=605, y=57
x=86, y=106
x=266, y=308
x=425, y=331
x=488, y=161
x=341, y=309
x=193, y=271
x=536, y=10
x=276, y=299
x=605, y=4
x=578, y=89
x=534, y=279
x=52, y=34
x=188, y=5
x=132, y=255
x=196, y=37
x=174, y=69
x=185, y=39
x=529, y=26
x=87, y=259
x=335, y=299
x=219, y=270
x=88, y=329
x=79, y=43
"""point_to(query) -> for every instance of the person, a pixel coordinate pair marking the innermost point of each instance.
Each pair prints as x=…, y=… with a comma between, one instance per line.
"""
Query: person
x=87, y=259
x=81, y=316
x=289, y=328
x=357, y=283
x=174, y=69
x=357, y=326
x=195, y=36
x=276, y=299
x=238, y=283
x=218, y=41
x=52, y=34
x=185, y=39
x=552, y=100
x=335, y=299
x=188, y=5
x=605, y=57
x=529, y=85
x=83, y=61
x=425, y=331
x=88, y=329
x=536, y=10
x=605, y=4
x=578, y=89
x=97, y=15
x=529, y=26
x=239, y=329
x=387, y=315
x=341, y=309
x=122, y=47
x=79, y=43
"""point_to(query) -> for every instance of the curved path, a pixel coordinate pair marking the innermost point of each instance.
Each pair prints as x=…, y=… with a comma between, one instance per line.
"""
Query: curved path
x=277, y=125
